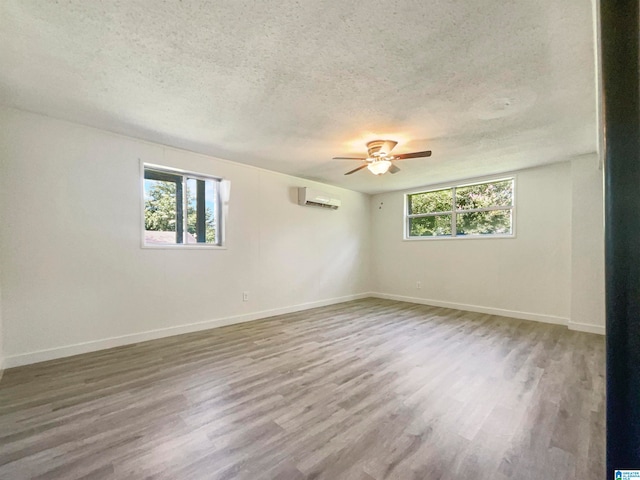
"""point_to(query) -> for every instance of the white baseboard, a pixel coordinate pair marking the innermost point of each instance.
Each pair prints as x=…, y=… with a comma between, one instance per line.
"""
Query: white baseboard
x=477, y=308
x=585, y=327
x=95, y=345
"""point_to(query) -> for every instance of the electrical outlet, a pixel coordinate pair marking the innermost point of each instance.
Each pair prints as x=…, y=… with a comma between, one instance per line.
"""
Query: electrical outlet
x=245, y=296
x=418, y=284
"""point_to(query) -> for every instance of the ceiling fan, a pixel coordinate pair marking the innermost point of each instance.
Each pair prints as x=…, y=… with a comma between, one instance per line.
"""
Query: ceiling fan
x=380, y=160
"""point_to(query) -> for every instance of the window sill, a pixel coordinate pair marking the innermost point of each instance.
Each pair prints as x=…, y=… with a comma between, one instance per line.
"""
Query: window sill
x=184, y=247
x=460, y=237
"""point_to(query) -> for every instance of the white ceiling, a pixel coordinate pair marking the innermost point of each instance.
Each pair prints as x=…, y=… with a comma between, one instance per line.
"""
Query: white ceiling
x=488, y=85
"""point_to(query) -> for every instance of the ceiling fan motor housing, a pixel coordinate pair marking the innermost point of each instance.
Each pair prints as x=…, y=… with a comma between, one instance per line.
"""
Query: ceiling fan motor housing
x=380, y=148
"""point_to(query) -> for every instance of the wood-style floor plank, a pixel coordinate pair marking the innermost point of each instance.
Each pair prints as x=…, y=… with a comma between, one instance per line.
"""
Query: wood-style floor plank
x=366, y=390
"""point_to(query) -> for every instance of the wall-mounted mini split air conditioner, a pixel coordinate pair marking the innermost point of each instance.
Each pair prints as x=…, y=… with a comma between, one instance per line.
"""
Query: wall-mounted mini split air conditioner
x=316, y=198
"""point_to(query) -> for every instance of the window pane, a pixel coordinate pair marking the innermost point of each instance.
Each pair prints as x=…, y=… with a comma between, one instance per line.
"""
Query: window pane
x=192, y=210
x=210, y=211
x=160, y=209
x=431, y=226
x=495, y=194
x=431, y=202
x=180, y=208
x=201, y=193
x=494, y=222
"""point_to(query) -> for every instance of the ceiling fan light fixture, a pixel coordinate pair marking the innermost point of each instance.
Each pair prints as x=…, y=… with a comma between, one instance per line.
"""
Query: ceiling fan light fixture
x=379, y=167
x=379, y=160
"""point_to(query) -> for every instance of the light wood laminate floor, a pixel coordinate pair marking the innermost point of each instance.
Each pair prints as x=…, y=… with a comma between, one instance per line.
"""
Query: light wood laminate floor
x=370, y=389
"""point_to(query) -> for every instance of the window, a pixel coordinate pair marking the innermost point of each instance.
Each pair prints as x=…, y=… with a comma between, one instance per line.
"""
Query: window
x=181, y=208
x=481, y=209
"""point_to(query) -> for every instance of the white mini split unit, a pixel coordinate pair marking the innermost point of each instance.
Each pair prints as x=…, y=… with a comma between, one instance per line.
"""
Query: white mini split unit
x=316, y=198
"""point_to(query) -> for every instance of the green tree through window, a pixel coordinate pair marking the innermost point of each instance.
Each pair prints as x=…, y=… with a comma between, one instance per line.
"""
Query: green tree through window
x=479, y=209
x=193, y=219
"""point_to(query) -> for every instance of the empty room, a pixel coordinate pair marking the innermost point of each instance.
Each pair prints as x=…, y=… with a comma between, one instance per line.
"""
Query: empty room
x=302, y=240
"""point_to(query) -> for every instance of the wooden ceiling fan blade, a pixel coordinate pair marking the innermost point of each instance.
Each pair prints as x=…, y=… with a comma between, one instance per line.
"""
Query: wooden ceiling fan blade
x=349, y=158
x=404, y=156
x=393, y=169
x=356, y=169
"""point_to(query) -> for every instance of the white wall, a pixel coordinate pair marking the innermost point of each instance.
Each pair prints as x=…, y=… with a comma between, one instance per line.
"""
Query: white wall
x=552, y=271
x=74, y=277
x=587, y=245
x=2, y=226
x=528, y=276
x=1, y=338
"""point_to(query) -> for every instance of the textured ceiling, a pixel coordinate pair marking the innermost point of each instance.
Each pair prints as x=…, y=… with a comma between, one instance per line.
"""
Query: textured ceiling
x=488, y=85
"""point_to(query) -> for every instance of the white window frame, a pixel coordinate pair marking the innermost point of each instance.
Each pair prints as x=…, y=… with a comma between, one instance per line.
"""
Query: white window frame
x=454, y=212
x=222, y=200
